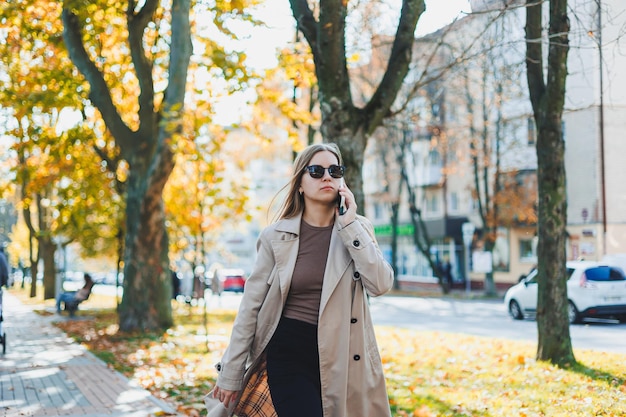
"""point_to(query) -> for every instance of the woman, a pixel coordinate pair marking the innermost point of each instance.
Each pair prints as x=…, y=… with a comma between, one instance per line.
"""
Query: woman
x=304, y=315
x=75, y=296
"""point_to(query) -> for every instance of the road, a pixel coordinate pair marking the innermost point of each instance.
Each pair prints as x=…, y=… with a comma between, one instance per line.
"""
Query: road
x=487, y=318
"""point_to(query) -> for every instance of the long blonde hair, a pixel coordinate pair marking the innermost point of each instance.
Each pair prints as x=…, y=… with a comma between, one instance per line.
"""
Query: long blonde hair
x=293, y=204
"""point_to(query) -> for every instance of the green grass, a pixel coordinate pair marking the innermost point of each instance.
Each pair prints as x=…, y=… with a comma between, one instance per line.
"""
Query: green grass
x=428, y=373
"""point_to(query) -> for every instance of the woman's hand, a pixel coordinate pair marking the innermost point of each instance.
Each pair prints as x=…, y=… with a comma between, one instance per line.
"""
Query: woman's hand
x=350, y=214
x=224, y=395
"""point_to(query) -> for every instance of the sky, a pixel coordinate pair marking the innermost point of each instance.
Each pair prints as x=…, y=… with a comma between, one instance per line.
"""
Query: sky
x=262, y=43
x=439, y=13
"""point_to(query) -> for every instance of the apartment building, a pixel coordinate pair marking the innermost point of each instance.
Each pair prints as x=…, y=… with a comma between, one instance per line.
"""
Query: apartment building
x=466, y=124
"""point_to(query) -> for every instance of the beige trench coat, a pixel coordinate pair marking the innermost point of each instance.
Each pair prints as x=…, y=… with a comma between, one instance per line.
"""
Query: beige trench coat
x=352, y=379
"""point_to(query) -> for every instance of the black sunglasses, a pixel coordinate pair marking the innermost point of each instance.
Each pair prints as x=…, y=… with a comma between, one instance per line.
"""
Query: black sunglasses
x=317, y=171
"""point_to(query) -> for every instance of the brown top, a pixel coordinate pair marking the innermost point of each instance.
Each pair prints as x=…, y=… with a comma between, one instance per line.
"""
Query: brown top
x=305, y=293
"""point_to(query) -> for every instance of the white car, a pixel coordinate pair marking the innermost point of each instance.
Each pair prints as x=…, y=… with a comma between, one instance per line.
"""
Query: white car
x=594, y=289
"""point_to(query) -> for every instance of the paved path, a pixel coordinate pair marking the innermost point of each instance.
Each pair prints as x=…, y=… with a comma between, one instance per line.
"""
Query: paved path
x=44, y=373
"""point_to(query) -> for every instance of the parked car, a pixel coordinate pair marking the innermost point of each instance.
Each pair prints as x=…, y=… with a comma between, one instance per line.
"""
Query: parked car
x=231, y=279
x=594, y=290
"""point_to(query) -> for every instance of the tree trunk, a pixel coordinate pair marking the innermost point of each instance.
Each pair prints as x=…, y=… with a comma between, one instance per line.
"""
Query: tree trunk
x=395, y=208
x=34, y=270
x=490, y=285
x=547, y=99
x=146, y=302
x=33, y=252
x=47, y=250
x=552, y=320
x=352, y=144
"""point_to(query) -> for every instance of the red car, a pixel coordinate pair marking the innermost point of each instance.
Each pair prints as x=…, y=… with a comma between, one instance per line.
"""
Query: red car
x=231, y=279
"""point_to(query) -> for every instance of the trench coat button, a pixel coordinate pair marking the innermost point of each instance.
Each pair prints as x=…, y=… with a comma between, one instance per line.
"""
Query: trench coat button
x=357, y=357
x=218, y=367
x=356, y=274
x=353, y=320
x=356, y=243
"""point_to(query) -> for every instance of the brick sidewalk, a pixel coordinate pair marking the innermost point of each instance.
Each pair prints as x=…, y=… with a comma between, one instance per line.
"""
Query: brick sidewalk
x=44, y=373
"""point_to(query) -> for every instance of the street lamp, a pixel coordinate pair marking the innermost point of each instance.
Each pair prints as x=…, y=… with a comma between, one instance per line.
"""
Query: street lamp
x=468, y=235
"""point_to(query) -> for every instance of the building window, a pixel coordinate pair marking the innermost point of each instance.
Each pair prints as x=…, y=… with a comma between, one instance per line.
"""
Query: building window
x=501, y=251
x=454, y=202
x=527, y=251
x=472, y=203
x=433, y=158
x=432, y=204
x=378, y=211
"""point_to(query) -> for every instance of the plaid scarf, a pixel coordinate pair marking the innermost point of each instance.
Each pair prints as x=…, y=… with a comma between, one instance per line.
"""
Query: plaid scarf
x=256, y=400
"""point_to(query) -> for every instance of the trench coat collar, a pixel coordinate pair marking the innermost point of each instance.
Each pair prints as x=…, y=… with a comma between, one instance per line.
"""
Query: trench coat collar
x=286, y=253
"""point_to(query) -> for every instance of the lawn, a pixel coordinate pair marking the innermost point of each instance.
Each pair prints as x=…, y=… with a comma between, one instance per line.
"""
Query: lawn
x=428, y=373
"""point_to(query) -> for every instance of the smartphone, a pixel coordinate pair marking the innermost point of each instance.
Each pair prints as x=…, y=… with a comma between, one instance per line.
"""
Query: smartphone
x=341, y=202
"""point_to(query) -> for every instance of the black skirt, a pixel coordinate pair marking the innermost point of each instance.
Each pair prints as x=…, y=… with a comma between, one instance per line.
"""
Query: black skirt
x=293, y=370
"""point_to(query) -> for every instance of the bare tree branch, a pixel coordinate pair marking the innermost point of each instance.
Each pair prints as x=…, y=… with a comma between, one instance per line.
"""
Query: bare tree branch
x=137, y=23
x=306, y=23
x=534, y=56
x=399, y=60
x=99, y=93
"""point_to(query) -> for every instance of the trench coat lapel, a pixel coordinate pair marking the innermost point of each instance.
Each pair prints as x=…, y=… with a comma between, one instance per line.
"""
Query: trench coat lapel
x=286, y=253
x=336, y=265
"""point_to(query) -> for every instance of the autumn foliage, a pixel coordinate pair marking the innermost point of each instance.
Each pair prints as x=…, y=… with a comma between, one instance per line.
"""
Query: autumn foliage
x=428, y=373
